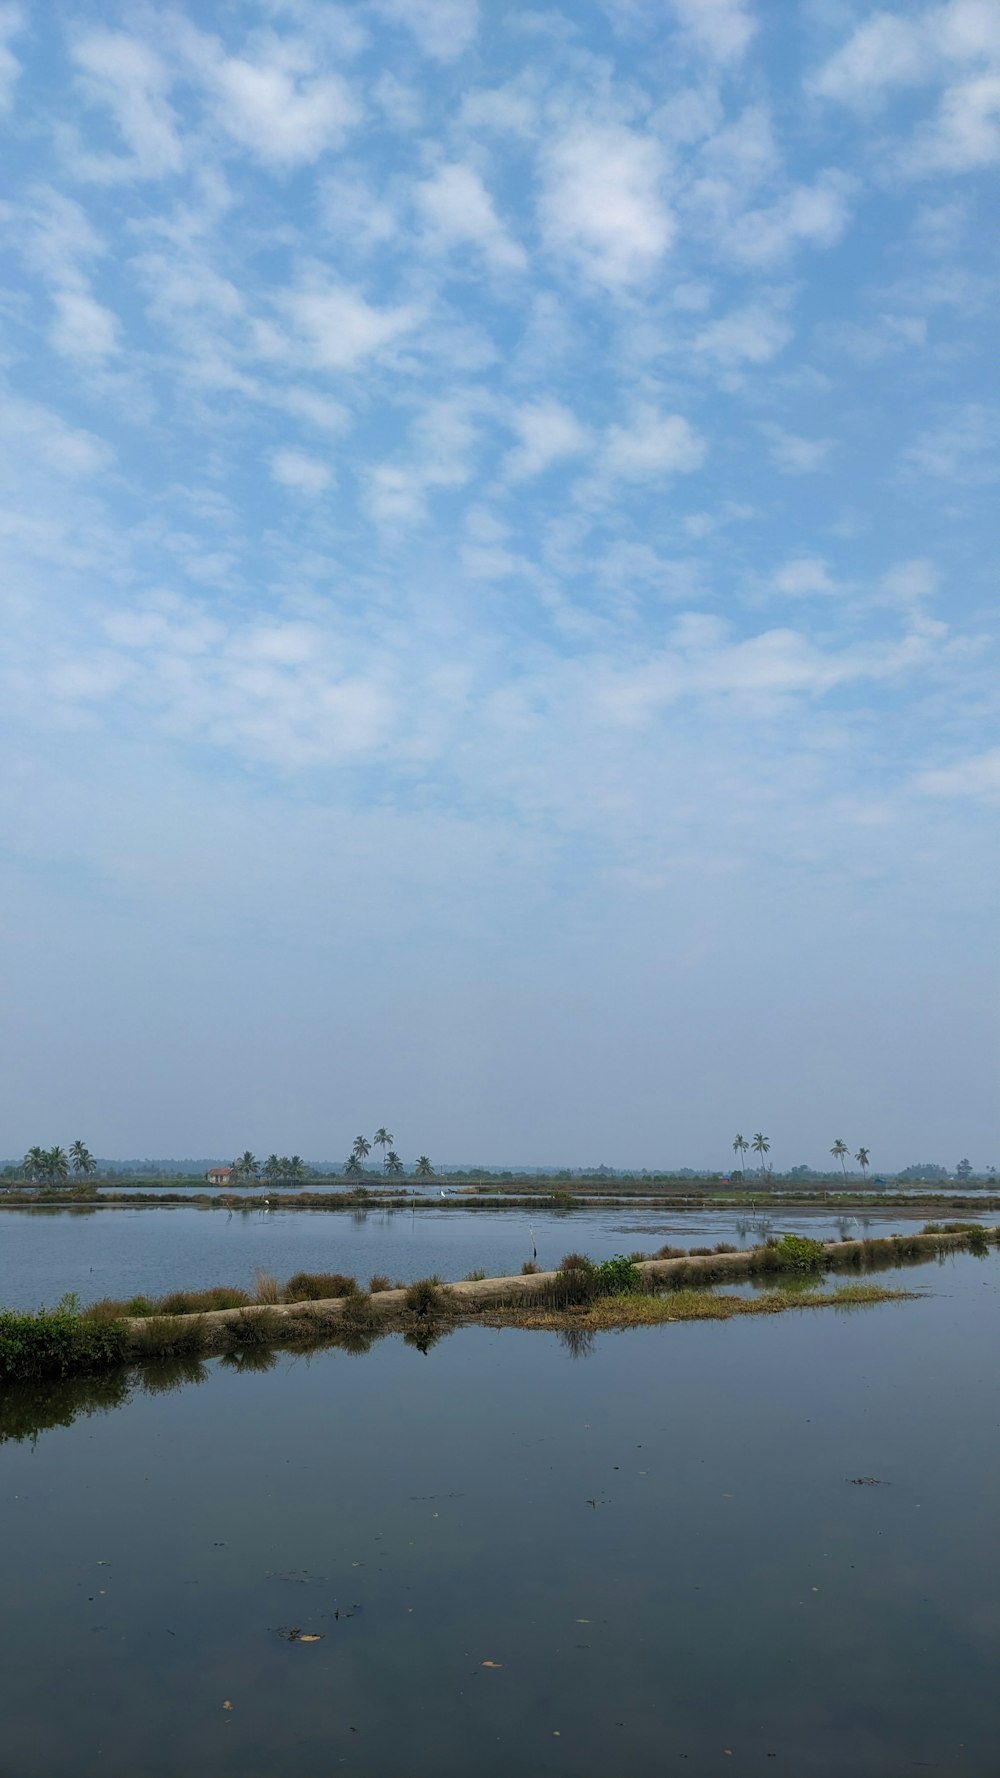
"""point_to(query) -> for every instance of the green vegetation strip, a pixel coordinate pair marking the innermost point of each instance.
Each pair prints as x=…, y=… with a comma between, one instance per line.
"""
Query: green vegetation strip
x=314, y=1308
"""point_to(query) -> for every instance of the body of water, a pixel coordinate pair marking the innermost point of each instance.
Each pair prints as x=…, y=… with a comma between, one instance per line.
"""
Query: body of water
x=765, y=1547
x=97, y=1253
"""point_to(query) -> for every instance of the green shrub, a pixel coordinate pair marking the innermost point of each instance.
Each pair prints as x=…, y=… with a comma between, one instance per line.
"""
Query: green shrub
x=797, y=1253
x=978, y=1242
x=616, y=1277
x=56, y=1343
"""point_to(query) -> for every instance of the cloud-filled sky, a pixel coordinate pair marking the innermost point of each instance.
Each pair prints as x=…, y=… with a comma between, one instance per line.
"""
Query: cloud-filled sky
x=499, y=563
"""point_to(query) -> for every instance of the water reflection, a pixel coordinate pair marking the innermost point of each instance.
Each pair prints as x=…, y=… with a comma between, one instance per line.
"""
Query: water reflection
x=502, y=1559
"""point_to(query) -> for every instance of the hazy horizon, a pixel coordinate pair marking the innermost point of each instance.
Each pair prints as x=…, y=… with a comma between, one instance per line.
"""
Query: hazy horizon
x=499, y=549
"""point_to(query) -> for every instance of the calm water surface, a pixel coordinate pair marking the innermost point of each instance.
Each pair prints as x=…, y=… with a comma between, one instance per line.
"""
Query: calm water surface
x=658, y=1543
x=99, y=1253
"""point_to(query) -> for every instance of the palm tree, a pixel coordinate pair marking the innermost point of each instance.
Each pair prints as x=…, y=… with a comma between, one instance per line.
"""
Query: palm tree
x=56, y=1163
x=392, y=1162
x=862, y=1157
x=295, y=1167
x=383, y=1139
x=423, y=1168
x=245, y=1165
x=34, y=1162
x=81, y=1157
x=740, y=1146
x=838, y=1151
x=352, y=1166
x=361, y=1150
x=274, y=1167
x=760, y=1145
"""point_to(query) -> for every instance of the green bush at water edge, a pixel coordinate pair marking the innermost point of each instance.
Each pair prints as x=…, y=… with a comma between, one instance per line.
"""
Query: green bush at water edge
x=56, y=1343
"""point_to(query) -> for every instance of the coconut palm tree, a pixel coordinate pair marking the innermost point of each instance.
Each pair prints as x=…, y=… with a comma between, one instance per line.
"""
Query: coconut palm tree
x=423, y=1168
x=361, y=1150
x=56, y=1163
x=295, y=1167
x=862, y=1157
x=392, y=1162
x=81, y=1158
x=352, y=1166
x=760, y=1146
x=383, y=1139
x=838, y=1151
x=273, y=1167
x=34, y=1163
x=740, y=1146
x=245, y=1165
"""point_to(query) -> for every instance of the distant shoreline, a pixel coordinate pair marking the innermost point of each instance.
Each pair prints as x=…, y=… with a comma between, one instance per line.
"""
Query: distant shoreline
x=521, y=1195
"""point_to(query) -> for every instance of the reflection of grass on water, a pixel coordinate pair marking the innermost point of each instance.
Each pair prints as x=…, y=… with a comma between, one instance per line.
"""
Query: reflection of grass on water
x=632, y=1310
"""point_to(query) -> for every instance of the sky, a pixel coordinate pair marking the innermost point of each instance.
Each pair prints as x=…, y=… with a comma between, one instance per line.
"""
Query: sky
x=499, y=564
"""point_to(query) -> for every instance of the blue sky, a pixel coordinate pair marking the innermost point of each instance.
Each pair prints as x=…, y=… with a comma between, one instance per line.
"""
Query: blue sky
x=499, y=564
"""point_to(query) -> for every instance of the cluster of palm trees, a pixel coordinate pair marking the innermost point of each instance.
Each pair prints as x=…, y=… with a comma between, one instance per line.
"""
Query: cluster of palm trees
x=840, y=1151
x=392, y=1166
x=46, y=1166
x=278, y=1168
x=761, y=1146
x=283, y=1169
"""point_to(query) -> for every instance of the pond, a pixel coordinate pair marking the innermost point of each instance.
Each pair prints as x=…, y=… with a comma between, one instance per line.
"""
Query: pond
x=120, y=1252
x=654, y=1554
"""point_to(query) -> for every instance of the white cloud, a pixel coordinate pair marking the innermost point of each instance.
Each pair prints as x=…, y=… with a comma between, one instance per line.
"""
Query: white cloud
x=753, y=335
x=601, y=204
x=83, y=328
x=548, y=433
x=965, y=135
x=809, y=215
x=442, y=443
x=11, y=23
x=956, y=46
x=133, y=83
x=277, y=105
x=910, y=584
x=291, y=693
x=444, y=29
x=723, y=28
x=792, y=453
x=654, y=445
x=456, y=208
x=901, y=49
x=962, y=448
x=978, y=776
x=880, y=338
x=30, y=431
x=293, y=469
x=804, y=576
x=340, y=329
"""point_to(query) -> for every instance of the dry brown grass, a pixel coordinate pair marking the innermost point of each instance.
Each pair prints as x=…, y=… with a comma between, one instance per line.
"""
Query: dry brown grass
x=690, y=1305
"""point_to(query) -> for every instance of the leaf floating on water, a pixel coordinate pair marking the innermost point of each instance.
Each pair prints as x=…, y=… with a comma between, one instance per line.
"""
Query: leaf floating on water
x=310, y=1636
x=492, y=1663
x=227, y=1704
